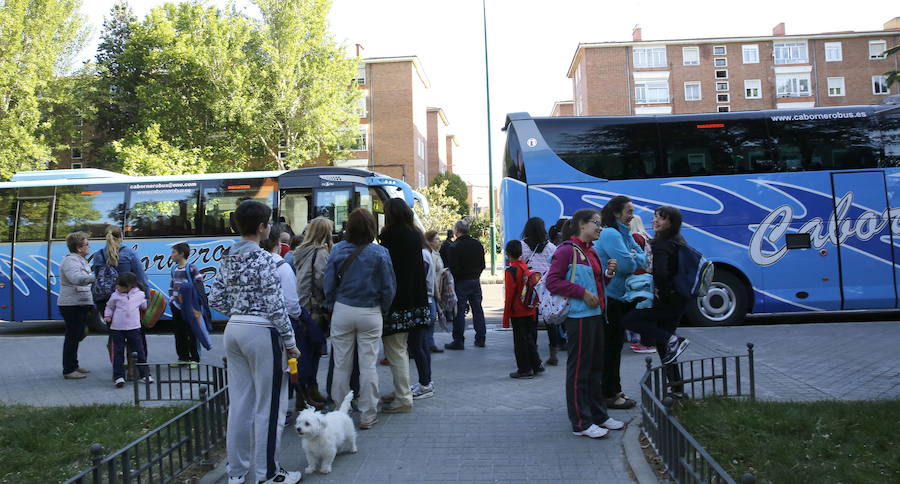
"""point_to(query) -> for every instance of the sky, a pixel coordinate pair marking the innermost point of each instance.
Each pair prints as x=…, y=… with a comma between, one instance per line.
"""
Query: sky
x=530, y=46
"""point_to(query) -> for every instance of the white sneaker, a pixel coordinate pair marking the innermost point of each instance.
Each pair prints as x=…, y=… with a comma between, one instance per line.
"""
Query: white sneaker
x=147, y=379
x=120, y=382
x=415, y=387
x=613, y=424
x=284, y=477
x=421, y=392
x=235, y=479
x=593, y=432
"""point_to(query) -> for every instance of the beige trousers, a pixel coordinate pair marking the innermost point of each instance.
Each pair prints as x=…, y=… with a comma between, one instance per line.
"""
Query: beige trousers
x=352, y=328
x=397, y=355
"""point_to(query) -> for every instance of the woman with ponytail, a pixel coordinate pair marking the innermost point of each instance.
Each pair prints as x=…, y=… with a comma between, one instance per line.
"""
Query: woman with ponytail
x=123, y=258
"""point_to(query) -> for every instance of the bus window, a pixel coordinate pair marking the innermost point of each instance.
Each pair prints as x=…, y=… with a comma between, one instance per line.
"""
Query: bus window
x=378, y=197
x=88, y=209
x=333, y=204
x=714, y=147
x=33, y=220
x=162, y=209
x=614, y=150
x=7, y=213
x=890, y=135
x=824, y=144
x=295, y=209
x=221, y=198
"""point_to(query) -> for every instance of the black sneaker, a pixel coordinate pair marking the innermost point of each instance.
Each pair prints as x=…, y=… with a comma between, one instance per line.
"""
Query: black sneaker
x=674, y=349
x=285, y=477
x=522, y=374
x=539, y=369
x=454, y=346
x=479, y=344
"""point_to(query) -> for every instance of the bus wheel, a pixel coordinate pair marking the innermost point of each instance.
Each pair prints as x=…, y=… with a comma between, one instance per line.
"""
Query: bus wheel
x=725, y=303
x=95, y=322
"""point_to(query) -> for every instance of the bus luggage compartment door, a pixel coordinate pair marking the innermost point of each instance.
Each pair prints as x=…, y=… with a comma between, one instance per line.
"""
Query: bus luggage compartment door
x=864, y=242
x=30, y=274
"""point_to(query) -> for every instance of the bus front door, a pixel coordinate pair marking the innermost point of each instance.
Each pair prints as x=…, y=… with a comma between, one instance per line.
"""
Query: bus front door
x=863, y=232
x=30, y=261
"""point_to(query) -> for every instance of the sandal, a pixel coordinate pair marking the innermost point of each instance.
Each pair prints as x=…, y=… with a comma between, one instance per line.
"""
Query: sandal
x=620, y=402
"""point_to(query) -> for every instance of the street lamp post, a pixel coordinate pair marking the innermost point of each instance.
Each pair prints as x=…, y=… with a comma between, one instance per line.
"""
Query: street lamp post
x=487, y=88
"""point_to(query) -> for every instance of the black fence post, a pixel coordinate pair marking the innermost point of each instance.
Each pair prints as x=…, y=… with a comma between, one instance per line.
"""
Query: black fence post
x=132, y=368
x=752, y=371
x=96, y=459
x=204, y=424
x=666, y=438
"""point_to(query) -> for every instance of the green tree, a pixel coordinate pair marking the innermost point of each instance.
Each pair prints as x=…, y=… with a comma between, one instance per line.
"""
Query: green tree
x=892, y=76
x=114, y=98
x=195, y=96
x=456, y=188
x=443, y=212
x=38, y=41
x=305, y=84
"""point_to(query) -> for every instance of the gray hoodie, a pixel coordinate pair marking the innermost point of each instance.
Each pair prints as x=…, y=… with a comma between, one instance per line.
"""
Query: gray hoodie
x=75, y=279
x=247, y=287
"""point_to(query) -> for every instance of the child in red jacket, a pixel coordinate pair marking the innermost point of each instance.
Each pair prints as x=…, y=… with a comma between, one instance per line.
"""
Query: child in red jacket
x=524, y=319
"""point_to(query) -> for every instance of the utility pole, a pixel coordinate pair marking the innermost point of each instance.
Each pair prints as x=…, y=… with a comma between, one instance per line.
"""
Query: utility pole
x=487, y=87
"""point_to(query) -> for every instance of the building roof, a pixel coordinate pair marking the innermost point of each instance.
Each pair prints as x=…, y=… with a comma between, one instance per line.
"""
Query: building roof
x=440, y=113
x=405, y=58
x=714, y=40
x=453, y=138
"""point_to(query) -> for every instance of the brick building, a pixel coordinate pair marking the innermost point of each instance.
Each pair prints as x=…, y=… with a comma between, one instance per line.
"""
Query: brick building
x=437, y=143
x=732, y=73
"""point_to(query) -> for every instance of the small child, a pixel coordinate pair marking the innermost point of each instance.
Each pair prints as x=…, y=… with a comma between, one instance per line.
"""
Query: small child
x=524, y=319
x=123, y=312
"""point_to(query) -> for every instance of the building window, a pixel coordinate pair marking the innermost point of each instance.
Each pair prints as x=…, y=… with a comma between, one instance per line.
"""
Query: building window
x=721, y=62
x=362, y=139
x=753, y=89
x=363, y=105
x=833, y=52
x=719, y=50
x=723, y=109
x=722, y=86
x=691, y=91
x=751, y=54
x=282, y=155
x=421, y=179
x=420, y=148
x=75, y=152
x=650, y=56
x=76, y=166
x=691, y=56
x=722, y=98
x=651, y=92
x=361, y=75
x=879, y=85
x=835, y=86
x=791, y=53
x=792, y=85
x=877, y=48
x=722, y=74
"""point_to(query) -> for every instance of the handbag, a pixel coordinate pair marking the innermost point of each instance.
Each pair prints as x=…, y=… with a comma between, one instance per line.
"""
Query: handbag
x=156, y=306
x=553, y=307
x=317, y=309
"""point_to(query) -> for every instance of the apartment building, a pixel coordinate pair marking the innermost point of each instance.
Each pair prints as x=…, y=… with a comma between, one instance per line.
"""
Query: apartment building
x=732, y=73
x=437, y=144
x=563, y=108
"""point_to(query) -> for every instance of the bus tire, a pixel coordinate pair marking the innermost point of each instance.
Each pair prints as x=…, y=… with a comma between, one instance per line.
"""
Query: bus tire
x=726, y=302
x=95, y=322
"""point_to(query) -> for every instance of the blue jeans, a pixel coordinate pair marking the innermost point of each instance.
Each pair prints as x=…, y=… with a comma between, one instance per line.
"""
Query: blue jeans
x=133, y=341
x=468, y=292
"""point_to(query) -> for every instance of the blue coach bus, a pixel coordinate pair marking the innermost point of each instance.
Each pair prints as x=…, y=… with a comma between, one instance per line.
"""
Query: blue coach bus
x=41, y=208
x=799, y=209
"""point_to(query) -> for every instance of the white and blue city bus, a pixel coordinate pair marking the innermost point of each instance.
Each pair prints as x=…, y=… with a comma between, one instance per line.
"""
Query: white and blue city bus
x=799, y=209
x=41, y=208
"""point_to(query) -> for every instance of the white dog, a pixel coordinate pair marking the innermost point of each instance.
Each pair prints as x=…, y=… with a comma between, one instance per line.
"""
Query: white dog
x=324, y=435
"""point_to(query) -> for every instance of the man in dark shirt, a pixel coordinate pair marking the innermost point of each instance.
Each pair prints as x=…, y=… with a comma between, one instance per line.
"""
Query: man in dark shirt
x=445, y=249
x=466, y=262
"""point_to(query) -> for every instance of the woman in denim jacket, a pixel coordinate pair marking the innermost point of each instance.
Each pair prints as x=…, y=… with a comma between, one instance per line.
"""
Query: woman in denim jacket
x=584, y=324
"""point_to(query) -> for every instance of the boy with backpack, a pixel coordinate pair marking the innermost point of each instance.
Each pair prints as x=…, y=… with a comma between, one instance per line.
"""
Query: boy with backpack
x=183, y=273
x=258, y=334
x=518, y=309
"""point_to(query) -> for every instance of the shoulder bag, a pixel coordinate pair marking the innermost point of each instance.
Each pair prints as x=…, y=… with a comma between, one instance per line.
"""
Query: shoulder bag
x=553, y=307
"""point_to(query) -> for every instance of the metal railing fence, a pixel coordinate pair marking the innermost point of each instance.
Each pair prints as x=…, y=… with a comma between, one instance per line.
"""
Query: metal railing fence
x=685, y=460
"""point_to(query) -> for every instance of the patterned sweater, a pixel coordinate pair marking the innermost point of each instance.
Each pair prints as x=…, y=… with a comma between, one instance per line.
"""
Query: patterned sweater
x=248, y=285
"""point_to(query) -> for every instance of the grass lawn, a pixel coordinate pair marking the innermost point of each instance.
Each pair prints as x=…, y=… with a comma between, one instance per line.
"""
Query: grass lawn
x=788, y=442
x=51, y=444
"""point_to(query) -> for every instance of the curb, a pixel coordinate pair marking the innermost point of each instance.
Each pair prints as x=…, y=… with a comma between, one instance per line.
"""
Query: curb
x=217, y=475
x=634, y=455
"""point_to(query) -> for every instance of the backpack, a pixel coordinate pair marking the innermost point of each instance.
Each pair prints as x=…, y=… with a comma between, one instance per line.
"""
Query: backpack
x=529, y=295
x=555, y=308
x=448, y=299
x=105, y=281
x=694, y=274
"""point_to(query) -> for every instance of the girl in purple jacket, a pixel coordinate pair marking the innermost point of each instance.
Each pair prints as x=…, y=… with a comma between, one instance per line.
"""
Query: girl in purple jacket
x=123, y=313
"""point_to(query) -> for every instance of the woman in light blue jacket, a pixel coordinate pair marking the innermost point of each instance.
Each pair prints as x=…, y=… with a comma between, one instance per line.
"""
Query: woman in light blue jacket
x=615, y=242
